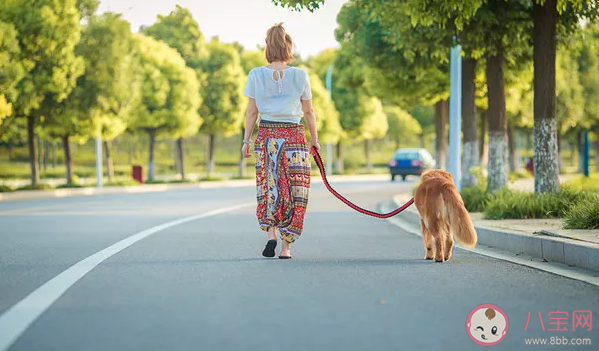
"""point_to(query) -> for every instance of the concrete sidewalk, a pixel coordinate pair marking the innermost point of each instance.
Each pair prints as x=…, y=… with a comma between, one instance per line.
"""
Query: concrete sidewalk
x=148, y=188
x=543, y=239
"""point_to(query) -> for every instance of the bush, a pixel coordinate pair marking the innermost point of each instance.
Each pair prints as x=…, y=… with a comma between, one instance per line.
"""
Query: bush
x=212, y=179
x=155, y=182
x=121, y=183
x=36, y=187
x=519, y=174
x=584, y=214
x=72, y=185
x=475, y=198
x=582, y=183
x=524, y=205
x=182, y=181
x=5, y=189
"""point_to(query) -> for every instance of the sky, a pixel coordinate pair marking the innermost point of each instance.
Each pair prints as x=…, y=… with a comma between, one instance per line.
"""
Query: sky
x=245, y=21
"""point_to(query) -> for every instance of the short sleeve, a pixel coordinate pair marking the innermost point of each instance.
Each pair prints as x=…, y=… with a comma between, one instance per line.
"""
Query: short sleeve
x=250, y=86
x=307, y=93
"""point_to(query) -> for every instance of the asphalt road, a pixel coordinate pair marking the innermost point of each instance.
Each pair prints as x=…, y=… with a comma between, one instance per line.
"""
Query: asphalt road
x=355, y=283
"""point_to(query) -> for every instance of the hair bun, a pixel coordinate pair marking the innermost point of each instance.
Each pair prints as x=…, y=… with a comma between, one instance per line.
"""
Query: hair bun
x=279, y=44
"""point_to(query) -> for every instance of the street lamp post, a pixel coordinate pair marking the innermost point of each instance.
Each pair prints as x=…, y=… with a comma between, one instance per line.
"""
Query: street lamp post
x=585, y=153
x=455, y=114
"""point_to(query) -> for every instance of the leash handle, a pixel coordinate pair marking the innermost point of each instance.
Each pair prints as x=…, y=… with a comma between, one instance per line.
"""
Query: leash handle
x=320, y=165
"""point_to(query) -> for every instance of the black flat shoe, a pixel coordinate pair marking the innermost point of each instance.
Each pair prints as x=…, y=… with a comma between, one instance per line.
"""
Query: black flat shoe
x=285, y=257
x=269, y=250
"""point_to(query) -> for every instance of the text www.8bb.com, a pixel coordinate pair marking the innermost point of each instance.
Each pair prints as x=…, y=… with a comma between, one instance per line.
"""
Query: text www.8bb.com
x=556, y=340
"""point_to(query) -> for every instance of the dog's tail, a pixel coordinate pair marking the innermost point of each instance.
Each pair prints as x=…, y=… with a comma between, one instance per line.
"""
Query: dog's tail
x=459, y=218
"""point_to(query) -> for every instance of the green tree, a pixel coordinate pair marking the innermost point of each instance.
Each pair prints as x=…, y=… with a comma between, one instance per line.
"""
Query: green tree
x=106, y=95
x=321, y=62
x=181, y=31
x=251, y=59
x=375, y=127
x=402, y=126
x=351, y=99
x=11, y=70
x=549, y=18
x=169, y=94
x=570, y=99
x=406, y=66
x=222, y=108
x=588, y=66
x=87, y=8
x=327, y=117
x=48, y=31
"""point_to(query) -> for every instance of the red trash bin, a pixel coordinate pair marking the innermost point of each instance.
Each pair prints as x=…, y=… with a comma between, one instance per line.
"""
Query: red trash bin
x=138, y=174
x=530, y=166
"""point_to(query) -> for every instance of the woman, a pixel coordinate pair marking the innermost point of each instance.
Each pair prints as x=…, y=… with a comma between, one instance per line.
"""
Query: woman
x=282, y=96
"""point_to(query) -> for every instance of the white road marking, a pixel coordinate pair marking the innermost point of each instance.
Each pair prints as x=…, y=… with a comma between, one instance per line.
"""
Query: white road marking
x=15, y=321
x=523, y=260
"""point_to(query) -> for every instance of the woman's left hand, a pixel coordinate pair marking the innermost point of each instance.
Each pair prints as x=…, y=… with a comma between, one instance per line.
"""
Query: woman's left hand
x=315, y=143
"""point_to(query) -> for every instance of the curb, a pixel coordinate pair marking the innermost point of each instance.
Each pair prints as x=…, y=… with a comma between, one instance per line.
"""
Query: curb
x=552, y=249
x=152, y=188
x=149, y=188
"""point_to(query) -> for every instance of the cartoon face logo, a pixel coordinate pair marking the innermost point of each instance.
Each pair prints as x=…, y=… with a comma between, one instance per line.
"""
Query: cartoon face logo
x=487, y=325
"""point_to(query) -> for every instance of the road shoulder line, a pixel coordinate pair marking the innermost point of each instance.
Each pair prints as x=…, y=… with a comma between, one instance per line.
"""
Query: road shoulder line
x=15, y=321
x=576, y=273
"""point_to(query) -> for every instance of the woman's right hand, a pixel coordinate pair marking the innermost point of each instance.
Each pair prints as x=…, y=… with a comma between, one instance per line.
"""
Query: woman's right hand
x=245, y=150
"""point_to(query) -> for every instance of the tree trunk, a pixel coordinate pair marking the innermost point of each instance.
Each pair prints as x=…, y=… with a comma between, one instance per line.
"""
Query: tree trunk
x=54, y=156
x=109, y=162
x=46, y=159
x=545, y=123
x=339, y=167
x=367, y=155
x=68, y=159
x=573, y=151
x=35, y=177
x=130, y=153
x=483, y=141
x=181, y=155
x=242, y=160
x=498, y=157
x=40, y=152
x=151, y=165
x=211, y=142
x=470, y=155
x=11, y=150
x=441, y=119
x=511, y=138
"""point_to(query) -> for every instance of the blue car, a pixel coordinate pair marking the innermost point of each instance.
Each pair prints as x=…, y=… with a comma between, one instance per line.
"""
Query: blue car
x=407, y=162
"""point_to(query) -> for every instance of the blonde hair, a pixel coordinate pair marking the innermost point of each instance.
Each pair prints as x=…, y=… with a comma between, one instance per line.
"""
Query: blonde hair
x=278, y=44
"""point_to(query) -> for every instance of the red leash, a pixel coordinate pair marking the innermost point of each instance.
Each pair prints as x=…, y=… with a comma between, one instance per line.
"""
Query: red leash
x=318, y=160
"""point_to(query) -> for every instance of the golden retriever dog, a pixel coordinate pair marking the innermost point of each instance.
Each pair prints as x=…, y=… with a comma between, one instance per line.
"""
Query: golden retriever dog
x=442, y=213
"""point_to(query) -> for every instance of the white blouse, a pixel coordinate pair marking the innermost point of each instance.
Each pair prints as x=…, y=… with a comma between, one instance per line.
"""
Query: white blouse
x=278, y=93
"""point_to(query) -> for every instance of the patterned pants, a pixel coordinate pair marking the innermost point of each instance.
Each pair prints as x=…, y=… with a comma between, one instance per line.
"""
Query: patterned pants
x=282, y=178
